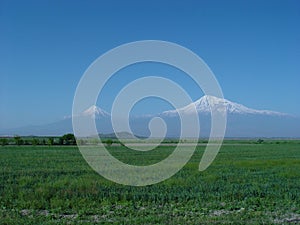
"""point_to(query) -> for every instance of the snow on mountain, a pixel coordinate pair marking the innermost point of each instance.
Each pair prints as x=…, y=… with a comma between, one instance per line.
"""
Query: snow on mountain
x=95, y=112
x=241, y=121
x=208, y=103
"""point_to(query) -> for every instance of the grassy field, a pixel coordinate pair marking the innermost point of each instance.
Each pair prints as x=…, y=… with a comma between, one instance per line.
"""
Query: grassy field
x=246, y=184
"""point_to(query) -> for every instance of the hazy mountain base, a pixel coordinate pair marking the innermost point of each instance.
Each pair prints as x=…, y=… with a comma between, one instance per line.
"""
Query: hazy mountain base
x=238, y=125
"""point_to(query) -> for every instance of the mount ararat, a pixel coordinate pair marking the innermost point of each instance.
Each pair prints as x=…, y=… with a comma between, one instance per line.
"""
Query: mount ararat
x=241, y=121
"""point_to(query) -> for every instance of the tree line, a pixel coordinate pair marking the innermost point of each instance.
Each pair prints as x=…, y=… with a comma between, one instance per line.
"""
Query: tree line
x=66, y=139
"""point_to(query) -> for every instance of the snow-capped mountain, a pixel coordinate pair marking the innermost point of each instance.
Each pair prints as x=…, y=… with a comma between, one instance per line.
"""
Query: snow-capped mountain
x=64, y=126
x=241, y=121
x=95, y=112
x=208, y=103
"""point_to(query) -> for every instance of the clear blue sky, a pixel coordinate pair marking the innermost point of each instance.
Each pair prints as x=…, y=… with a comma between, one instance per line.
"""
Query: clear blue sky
x=253, y=48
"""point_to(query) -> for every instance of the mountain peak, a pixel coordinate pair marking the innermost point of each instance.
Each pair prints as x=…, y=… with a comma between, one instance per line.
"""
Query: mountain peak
x=95, y=111
x=207, y=103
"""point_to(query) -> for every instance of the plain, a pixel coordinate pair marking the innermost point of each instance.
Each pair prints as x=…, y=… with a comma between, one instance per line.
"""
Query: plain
x=249, y=182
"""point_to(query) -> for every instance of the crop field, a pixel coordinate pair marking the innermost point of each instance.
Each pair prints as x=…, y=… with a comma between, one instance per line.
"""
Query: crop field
x=248, y=183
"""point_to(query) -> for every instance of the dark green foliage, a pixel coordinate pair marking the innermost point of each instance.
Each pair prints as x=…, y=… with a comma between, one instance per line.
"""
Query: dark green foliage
x=259, y=141
x=3, y=141
x=67, y=139
x=50, y=141
x=35, y=141
x=18, y=140
x=60, y=141
x=108, y=142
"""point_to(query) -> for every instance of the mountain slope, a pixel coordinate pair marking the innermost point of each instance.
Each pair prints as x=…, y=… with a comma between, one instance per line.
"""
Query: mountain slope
x=64, y=126
x=208, y=103
x=241, y=121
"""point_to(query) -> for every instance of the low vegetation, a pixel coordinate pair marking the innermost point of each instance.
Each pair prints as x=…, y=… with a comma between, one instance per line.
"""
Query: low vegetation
x=246, y=184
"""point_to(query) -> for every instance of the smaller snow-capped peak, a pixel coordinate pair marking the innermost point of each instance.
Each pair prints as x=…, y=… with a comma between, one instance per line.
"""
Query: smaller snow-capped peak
x=95, y=111
x=208, y=103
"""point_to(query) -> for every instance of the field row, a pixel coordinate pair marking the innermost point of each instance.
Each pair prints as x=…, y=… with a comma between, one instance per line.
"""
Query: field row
x=256, y=183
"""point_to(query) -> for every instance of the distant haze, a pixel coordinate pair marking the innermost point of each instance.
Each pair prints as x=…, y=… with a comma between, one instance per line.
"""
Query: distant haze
x=241, y=121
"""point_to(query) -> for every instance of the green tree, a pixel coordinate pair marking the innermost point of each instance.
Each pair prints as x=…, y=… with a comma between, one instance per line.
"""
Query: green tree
x=60, y=141
x=4, y=141
x=50, y=141
x=109, y=142
x=18, y=140
x=260, y=141
x=68, y=139
x=35, y=141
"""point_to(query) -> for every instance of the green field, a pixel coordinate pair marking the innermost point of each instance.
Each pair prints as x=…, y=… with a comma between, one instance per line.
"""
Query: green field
x=246, y=184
